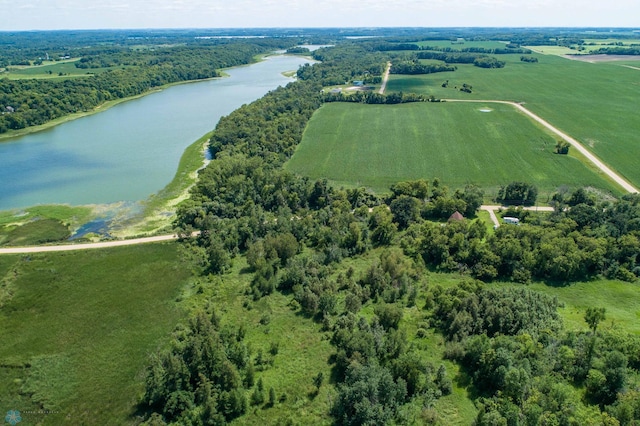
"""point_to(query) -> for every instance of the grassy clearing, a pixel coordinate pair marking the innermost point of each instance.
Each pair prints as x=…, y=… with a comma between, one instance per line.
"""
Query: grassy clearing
x=64, y=213
x=85, y=323
x=303, y=351
x=595, y=103
x=555, y=50
x=52, y=70
x=377, y=145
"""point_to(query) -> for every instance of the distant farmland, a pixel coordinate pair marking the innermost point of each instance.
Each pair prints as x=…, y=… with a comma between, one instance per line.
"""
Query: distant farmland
x=595, y=103
x=492, y=145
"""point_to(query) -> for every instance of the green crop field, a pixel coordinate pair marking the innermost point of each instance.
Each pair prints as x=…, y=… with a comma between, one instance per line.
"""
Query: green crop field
x=377, y=145
x=77, y=329
x=595, y=103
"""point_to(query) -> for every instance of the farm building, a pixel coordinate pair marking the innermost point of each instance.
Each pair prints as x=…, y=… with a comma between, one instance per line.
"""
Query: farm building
x=456, y=217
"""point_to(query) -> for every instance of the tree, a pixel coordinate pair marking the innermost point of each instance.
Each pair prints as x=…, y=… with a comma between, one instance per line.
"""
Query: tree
x=518, y=193
x=389, y=315
x=472, y=196
x=381, y=226
x=317, y=381
x=272, y=396
x=219, y=259
x=593, y=317
x=562, y=147
x=368, y=396
x=405, y=210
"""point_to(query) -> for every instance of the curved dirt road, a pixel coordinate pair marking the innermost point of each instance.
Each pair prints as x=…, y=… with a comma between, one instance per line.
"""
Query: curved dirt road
x=584, y=151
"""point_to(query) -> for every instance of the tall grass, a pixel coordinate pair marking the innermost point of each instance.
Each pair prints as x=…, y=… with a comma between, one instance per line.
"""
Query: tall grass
x=78, y=329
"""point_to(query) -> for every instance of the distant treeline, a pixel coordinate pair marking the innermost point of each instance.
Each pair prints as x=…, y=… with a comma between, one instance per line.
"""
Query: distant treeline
x=508, y=49
x=617, y=51
x=26, y=103
x=478, y=60
x=494, y=51
x=377, y=98
x=415, y=67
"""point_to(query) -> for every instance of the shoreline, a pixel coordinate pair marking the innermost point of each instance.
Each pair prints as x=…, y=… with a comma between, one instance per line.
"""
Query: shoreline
x=155, y=213
x=130, y=219
x=15, y=134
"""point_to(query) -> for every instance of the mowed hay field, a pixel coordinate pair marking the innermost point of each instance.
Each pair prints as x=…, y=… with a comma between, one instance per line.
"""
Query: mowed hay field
x=77, y=329
x=378, y=145
x=596, y=103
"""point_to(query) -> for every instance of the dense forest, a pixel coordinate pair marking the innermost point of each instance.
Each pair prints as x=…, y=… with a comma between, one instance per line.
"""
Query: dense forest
x=295, y=234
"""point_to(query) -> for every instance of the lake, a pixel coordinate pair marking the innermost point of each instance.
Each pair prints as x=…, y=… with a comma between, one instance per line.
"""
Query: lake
x=131, y=150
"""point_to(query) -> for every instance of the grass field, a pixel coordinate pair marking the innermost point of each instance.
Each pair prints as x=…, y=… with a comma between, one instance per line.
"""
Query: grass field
x=377, y=145
x=50, y=70
x=595, y=103
x=84, y=323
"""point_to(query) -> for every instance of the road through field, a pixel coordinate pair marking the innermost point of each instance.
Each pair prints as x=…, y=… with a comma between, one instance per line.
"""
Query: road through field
x=385, y=79
x=584, y=151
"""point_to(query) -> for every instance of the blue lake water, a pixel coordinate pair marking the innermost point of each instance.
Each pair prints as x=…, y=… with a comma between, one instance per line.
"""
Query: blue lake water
x=132, y=150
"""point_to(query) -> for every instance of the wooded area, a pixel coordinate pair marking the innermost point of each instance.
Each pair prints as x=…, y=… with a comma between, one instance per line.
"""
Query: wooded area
x=296, y=234
x=30, y=102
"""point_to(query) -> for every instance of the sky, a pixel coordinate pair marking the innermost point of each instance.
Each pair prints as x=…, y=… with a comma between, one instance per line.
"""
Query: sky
x=102, y=14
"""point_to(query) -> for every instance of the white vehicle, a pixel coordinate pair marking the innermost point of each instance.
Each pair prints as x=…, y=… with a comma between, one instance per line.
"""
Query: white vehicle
x=511, y=220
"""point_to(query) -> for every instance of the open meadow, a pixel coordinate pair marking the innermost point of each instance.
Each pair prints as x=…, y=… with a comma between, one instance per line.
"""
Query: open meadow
x=77, y=329
x=460, y=143
x=595, y=103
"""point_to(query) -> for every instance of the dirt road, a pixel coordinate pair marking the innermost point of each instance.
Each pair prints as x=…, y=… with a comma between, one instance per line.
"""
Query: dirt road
x=494, y=218
x=385, y=78
x=577, y=145
x=87, y=246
